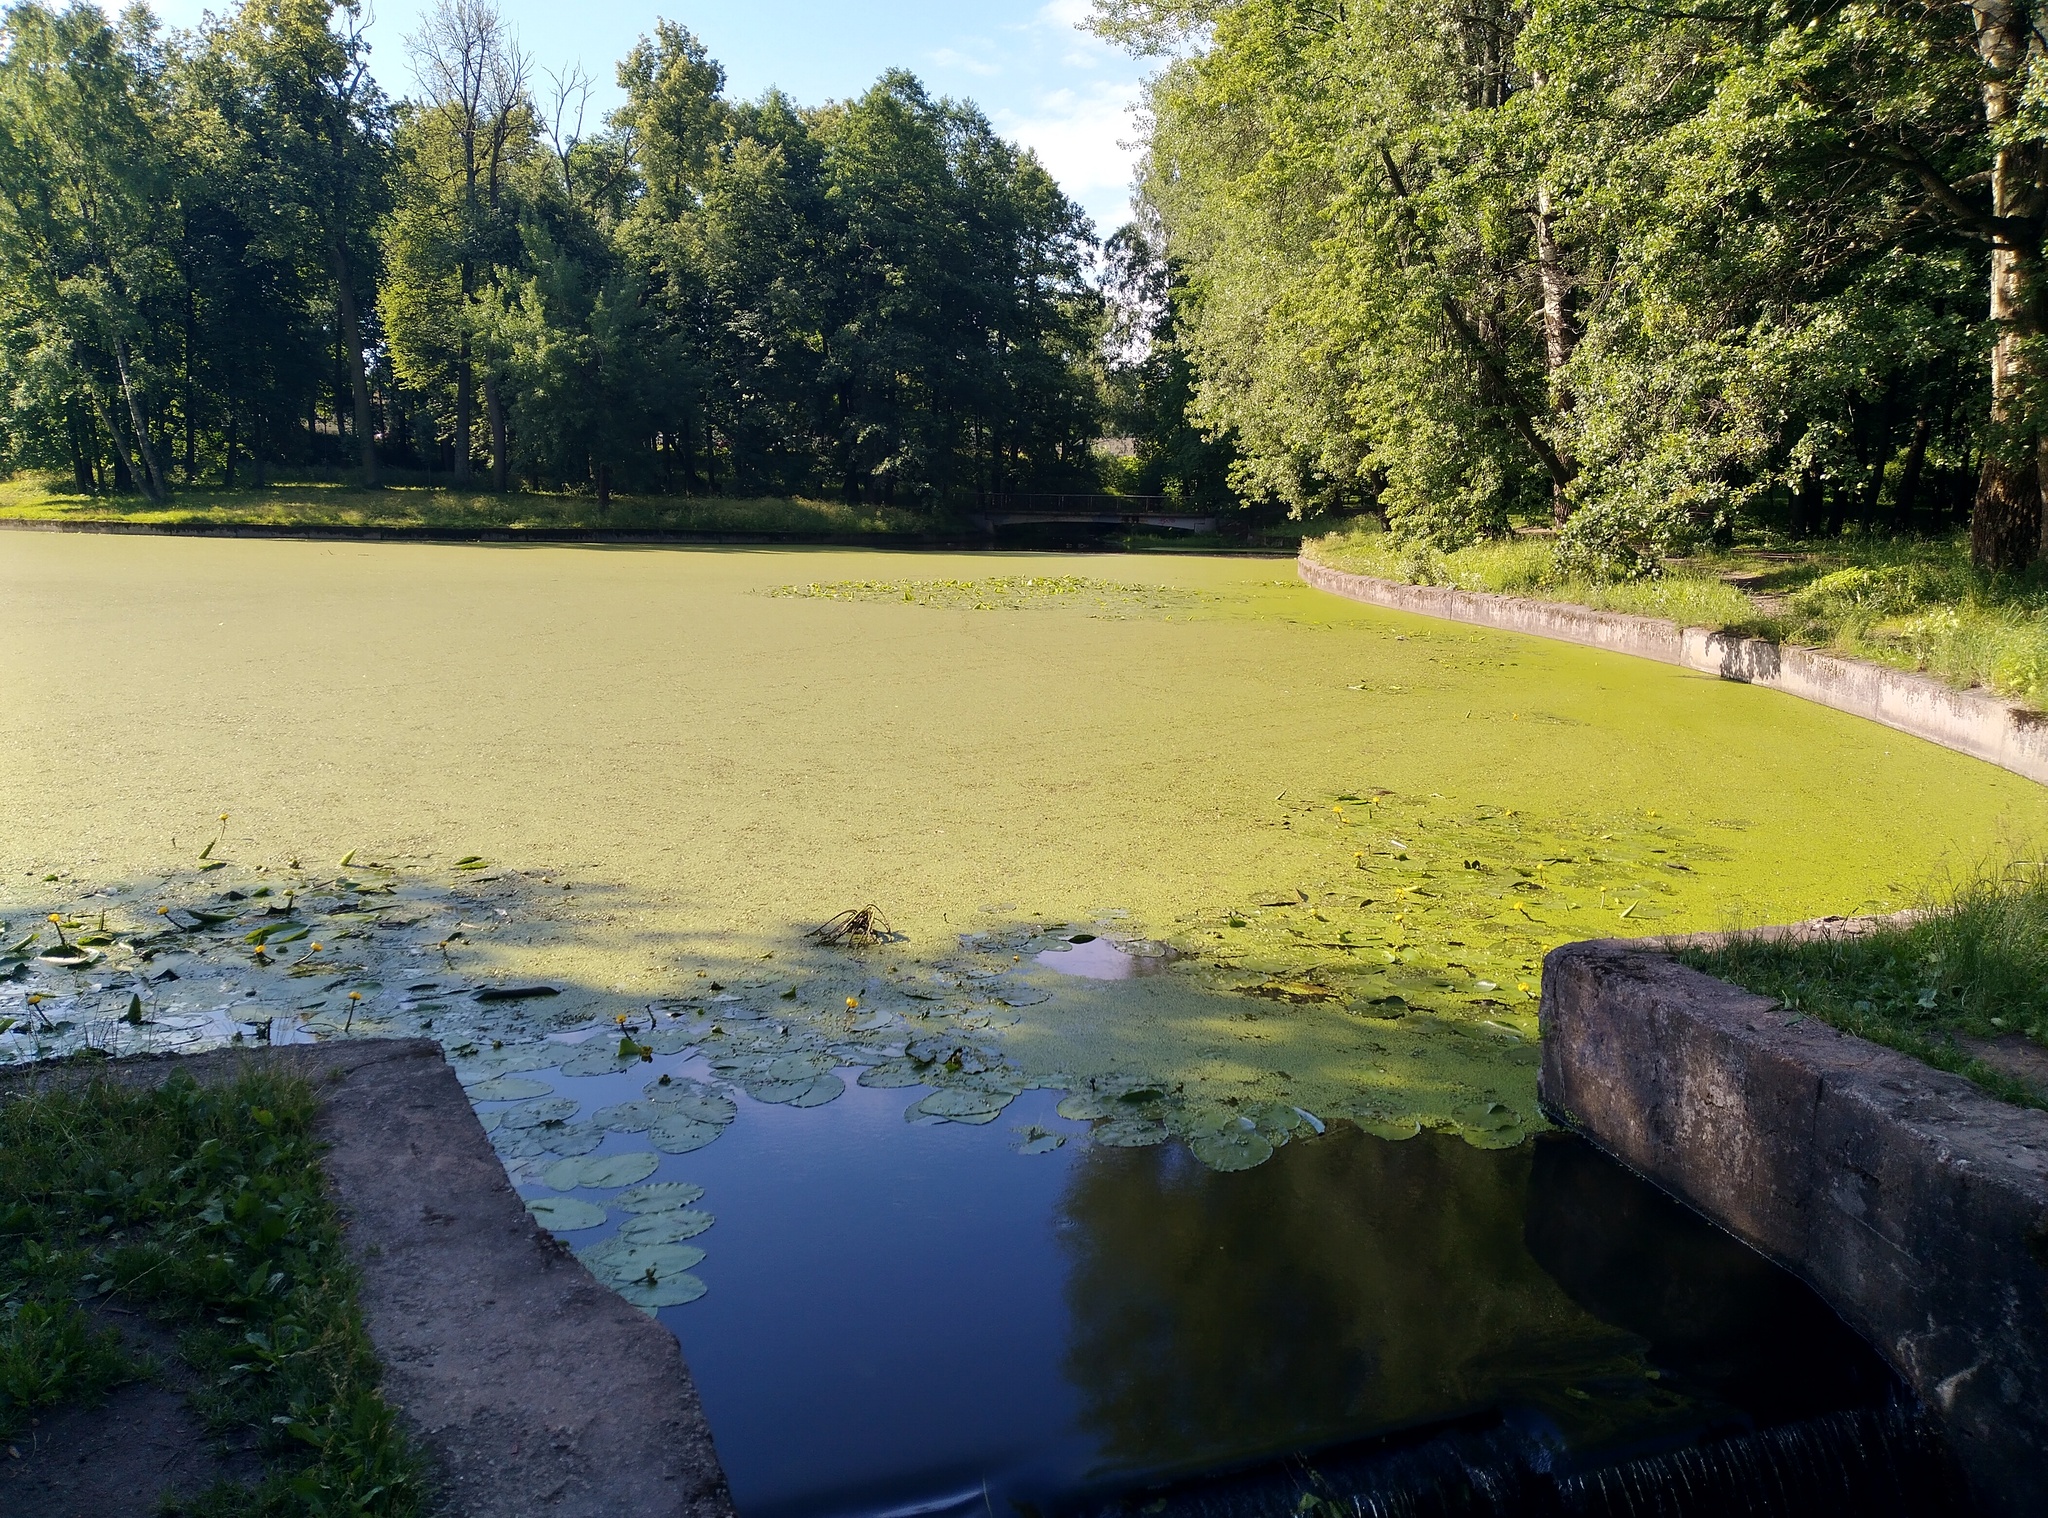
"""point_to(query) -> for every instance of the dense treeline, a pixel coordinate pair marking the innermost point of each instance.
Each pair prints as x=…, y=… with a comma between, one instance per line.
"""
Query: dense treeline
x=1656, y=270
x=227, y=251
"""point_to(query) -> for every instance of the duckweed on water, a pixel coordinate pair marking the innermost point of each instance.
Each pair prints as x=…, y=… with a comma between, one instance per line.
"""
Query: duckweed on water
x=1356, y=834
x=1001, y=593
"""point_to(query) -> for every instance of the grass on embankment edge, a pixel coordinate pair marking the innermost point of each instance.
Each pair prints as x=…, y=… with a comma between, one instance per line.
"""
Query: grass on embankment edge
x=203, y=1207
x=1974, y=966
x=1913, y=604
x=35, y=498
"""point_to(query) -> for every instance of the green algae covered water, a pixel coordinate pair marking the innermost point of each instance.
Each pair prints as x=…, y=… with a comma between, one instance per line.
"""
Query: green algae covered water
x=1219, y=900
x=1356, y=830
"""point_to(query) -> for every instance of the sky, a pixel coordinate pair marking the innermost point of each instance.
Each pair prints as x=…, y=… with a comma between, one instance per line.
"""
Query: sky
x=1044, y=83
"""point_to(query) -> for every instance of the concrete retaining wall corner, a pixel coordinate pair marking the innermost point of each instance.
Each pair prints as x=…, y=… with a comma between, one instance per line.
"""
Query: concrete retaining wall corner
x=1913, y=1202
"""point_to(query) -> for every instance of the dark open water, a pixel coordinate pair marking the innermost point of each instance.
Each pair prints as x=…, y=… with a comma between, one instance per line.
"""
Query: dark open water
x=910, y=1318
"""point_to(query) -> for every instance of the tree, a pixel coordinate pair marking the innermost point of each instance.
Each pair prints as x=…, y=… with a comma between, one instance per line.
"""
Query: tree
x=318, y=128
x=456, y=221
x=1151, y=382
x=86, y=215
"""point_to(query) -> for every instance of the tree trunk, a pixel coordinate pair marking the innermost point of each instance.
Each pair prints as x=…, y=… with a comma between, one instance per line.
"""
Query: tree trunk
x=1909, y=474
x=501, y=459
x=1805, y=502
x=1880, y=454
x=465, y=411
x=352, y=359
x=151, y=477
x=125, y=472
x=604, y=486
x=81, y=461
x=1560, y=336
x=227, y=474
x=2006, y=523
x=191, y=439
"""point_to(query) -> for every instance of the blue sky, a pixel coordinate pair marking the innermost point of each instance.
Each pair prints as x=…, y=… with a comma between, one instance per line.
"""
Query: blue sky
x=1042, y=81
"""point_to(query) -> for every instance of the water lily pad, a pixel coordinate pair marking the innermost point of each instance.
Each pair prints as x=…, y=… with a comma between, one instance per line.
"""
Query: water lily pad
x=1023, y=996
x=678, y=1133
x=628, y=1117
x=1232, y=1148
x=658, y=1196
x=1084, y=1106
x=666, y=1227
x=598, y=1055
x=690, y=1099
x=599, y=1170
x=539, y=1055
x=618, y=1260
x=959, y=1106
x=1492, y=1138
x=535, y=1114
x=669, y=1291
x=518, y=1143
x=507, y=1088
x=1129, y=1133
x=1036, y=1140
x=1394, y=1128
x=895, y=1073
x=824, y=1088
x=574, y=1138
x=565, y=1214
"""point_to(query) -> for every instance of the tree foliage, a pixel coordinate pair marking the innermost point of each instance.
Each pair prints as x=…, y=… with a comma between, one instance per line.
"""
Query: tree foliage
x=1662, y=268
x=227, y=248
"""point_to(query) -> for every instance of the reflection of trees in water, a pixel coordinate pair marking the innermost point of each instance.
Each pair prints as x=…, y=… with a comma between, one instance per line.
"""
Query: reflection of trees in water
x=1346, y=1285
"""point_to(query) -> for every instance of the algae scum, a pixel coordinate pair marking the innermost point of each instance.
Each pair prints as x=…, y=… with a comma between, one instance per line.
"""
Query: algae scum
x=1176, y=1110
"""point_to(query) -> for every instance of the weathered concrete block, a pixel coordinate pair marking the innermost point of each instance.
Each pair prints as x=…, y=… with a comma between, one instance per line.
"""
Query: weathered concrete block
x=1913, y=1202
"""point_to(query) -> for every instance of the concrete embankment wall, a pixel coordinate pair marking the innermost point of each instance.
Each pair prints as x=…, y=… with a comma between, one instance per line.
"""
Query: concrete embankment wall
x=1968, y=721
x=1916, y=1204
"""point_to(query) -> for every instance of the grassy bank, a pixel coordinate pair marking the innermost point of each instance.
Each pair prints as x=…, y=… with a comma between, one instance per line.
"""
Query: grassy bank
x=1911, y=603
x=1974, y=967
x=41, y=499
x=201, y=1207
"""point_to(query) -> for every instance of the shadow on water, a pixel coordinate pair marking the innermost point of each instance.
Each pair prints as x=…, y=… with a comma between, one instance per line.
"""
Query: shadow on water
x=912, y=1320
x=915, y=1317
x=1355, y=1285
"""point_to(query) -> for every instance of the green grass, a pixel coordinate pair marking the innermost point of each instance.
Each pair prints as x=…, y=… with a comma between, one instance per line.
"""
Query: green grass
x=1974, y=966
x=1914, y=604
x=201, y=1206
x=1527, y=567
x=42, y=498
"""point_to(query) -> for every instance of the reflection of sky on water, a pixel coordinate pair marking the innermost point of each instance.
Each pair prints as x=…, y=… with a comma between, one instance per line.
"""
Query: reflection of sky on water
x=911, y=1315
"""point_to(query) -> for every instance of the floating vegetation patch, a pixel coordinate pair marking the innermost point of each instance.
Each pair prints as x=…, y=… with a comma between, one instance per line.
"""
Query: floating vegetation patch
x=1005, y=593
x=1389, y=978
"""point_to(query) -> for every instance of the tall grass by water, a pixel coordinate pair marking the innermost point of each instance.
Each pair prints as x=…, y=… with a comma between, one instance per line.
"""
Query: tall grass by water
x=1972, y=966
x=1910, y=603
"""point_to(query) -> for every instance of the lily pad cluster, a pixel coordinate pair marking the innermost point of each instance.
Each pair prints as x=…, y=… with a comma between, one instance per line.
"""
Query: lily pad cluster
x=647, y=1260
x=1132, y=1114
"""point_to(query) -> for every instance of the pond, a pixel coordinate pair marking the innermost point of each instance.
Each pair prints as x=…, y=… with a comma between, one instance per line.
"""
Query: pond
x=1209, y=921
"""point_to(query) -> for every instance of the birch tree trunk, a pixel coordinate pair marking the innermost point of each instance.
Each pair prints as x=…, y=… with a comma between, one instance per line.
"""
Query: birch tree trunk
x=494, y=410
x=151, y=478
x=1560, y=338
x=2006, y=523
x=352, y=348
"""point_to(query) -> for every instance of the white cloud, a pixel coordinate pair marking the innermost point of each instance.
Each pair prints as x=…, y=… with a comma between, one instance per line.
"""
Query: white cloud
x=1080, y=136
x=953, y=58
